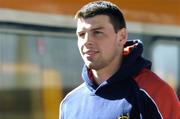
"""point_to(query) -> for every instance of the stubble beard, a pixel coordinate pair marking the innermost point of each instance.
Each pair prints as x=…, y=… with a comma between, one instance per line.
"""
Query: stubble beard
x=95, y=65
x=90, y=64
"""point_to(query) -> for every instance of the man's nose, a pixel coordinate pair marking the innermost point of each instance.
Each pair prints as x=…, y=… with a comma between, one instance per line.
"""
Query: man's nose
x=88, y=39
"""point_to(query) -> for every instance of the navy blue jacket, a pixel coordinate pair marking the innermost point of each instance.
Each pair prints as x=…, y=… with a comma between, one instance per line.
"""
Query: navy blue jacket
x=117, y=98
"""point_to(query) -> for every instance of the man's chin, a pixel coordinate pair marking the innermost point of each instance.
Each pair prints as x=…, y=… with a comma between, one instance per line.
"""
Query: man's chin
x=89, y=65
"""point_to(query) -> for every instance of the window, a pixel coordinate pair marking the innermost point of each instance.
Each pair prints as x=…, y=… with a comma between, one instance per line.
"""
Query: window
x=37, y=68
x=165, y=58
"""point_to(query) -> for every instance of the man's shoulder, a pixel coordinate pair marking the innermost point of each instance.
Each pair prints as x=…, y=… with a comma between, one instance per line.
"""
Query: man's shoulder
x=154, y=85
x=148, y=78
x=162, y=93
x=74, y=94
x=72, y=98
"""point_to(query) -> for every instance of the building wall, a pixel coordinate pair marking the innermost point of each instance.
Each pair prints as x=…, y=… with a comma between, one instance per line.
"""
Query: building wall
x=148, y=11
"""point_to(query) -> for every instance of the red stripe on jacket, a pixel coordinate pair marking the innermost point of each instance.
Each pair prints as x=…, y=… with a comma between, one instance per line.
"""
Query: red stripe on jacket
x=163, y=95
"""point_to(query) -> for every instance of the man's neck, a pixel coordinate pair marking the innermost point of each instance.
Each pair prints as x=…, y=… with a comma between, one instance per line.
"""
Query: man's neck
x=105, y=73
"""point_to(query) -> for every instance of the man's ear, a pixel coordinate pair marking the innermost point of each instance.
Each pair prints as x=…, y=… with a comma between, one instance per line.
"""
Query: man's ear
x=122, y=36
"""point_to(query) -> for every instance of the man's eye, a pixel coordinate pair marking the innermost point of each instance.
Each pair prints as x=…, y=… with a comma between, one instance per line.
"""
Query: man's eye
x=97, y=32
x=81, y=34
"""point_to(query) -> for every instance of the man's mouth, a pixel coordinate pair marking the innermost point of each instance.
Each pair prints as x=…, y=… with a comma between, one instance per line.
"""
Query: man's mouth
x=90, y=53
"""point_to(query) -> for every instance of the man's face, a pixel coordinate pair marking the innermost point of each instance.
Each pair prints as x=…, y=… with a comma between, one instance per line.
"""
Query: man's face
x=98, y=43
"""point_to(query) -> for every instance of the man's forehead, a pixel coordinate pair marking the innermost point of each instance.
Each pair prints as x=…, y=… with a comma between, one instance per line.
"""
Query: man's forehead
x=90, y=24
x=83, y=23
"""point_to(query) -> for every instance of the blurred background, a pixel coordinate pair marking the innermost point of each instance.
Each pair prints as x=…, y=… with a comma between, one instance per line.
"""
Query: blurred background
x=40, y=61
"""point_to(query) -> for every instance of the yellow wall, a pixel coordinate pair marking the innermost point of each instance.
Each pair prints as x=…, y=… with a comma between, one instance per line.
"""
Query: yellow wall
x=153, y=11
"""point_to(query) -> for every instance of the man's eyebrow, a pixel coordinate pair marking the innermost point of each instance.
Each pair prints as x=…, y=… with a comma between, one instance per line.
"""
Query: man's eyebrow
x=97, y=28
x=92, y=29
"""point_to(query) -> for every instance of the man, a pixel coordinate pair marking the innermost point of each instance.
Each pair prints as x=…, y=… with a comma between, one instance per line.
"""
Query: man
x=112, y=65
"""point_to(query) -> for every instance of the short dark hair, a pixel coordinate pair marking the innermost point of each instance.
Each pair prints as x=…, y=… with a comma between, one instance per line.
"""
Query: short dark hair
x=103, y=8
